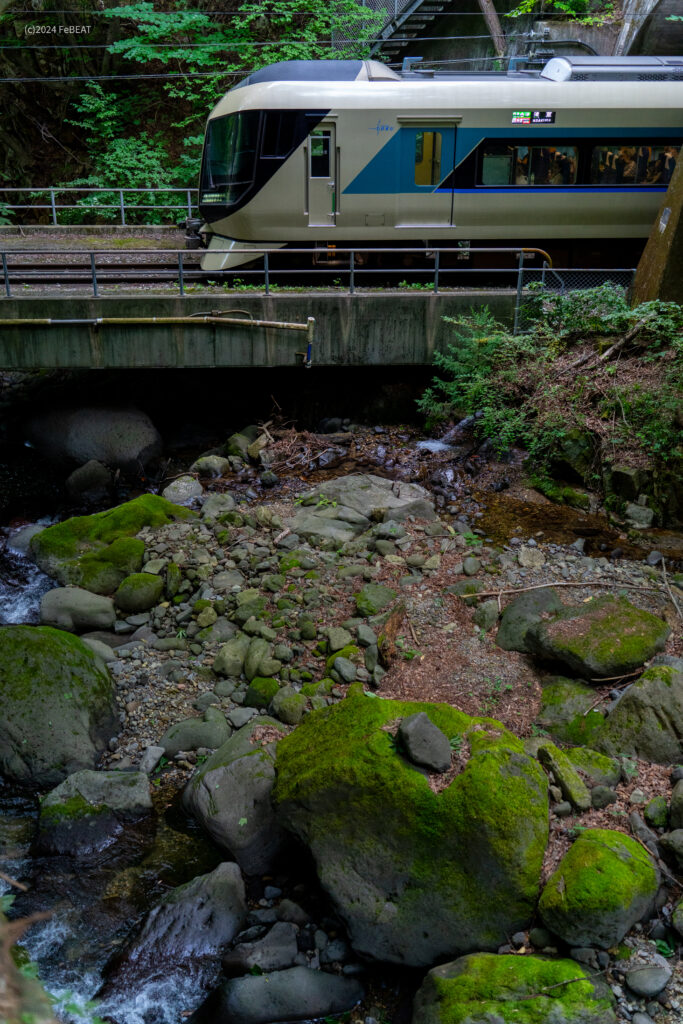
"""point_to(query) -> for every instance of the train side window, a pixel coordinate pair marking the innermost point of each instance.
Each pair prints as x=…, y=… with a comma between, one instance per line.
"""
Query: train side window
x=497, y=165
x=617, y=164
x=427, y=158
x=553, y=165
x=278, y=134
x=320, y=154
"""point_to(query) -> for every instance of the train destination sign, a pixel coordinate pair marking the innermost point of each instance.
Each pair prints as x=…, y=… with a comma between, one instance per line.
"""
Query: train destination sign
x=533, y=117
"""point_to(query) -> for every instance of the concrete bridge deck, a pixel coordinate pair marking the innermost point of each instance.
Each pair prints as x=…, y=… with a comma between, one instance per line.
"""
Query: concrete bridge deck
x=374, y=329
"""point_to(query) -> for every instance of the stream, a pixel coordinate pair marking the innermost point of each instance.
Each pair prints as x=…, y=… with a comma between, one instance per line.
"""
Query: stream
x=95, y=905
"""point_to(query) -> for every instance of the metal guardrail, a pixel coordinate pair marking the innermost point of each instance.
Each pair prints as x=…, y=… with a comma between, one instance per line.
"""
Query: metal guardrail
x=187, y=206
x=349, y=264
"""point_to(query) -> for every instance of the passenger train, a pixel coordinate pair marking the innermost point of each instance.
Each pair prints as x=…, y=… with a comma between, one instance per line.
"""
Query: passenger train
x=326, y=154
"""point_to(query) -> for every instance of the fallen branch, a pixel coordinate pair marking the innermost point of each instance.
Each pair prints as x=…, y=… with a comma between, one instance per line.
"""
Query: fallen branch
x=577, y=583
x=617, y=347
x=669, y=590
x=13, y=881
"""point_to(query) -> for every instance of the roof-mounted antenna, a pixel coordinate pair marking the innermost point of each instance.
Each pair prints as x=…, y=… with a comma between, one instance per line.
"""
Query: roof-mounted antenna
x=408, y=62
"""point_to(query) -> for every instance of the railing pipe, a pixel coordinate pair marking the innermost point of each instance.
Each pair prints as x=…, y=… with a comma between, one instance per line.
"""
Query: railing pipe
x=436, y=272
x=181, y=281
x=266, y=273
x=520, y=285
x=352, y=275
x=54, y=208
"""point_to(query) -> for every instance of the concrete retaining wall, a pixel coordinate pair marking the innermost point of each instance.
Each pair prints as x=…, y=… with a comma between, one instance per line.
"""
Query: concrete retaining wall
x=351, y=330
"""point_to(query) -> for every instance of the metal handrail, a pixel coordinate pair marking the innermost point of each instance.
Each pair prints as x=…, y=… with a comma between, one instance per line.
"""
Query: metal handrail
x=189, y=203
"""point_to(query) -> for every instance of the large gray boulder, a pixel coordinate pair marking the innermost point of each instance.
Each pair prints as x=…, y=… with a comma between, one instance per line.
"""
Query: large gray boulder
x=76, y=610
x=84, y=812
x=196, y=922
x=486, y=989
x=648, y=720
x=522, y=613
x=296, y=994
x=211, y=731
x=604, y=884
x=419, y=866
x=116, y=437
x=58, y=706
x=274, y=952
x=605, y=637
x=230, y=796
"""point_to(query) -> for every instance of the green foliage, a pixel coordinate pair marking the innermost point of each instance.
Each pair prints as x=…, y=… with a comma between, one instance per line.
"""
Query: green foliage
x=586, y=12
x=531, y=391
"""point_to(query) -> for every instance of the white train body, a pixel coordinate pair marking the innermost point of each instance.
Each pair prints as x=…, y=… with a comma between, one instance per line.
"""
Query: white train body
x=350, y=153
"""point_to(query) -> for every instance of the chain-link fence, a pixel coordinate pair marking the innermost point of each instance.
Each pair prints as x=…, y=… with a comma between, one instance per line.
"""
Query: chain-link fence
x=534, y=282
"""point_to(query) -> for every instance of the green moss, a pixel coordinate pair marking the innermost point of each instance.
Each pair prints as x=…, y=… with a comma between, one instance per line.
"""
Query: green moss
x=602, y=886
x=139, y=592
x=351, y=652
x=600, y=769
x=73, y=809
x=340, y=771
x=261, y=691
x=656, y=812
x=513, y=990
x=374, y=598
x=96, y=552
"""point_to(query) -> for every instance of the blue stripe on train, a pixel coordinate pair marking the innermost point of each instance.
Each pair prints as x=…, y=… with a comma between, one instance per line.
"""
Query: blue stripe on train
x=393, y=168
x=554, y=189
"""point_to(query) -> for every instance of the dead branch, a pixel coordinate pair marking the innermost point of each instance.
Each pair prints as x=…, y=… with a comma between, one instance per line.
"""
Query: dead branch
x=616, y=347
x=578, y=583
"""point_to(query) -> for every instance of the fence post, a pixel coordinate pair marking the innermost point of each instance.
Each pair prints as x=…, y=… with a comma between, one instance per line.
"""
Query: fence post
x=6, y=276
x=54, y=207
x=189, y=202
x=436, y=272
x=181, y=282
x=520, y=285
x=352, y=276
x=94, y=274
x=266, y=273
x=122, y=207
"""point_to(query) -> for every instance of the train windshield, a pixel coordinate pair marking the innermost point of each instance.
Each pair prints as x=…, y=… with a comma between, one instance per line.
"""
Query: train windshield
x=229, y=157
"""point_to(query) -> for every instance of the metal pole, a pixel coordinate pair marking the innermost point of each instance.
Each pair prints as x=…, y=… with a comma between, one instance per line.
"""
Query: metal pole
x=543, y=270
x=54, y=208
x=310, y=329
x=122, y=206
x=6, y=276
x=266, y=273
x=436, y=272
x=94, y=274
x=180, y=273
x=520, y=285
x=189, y=202
x=352, y=279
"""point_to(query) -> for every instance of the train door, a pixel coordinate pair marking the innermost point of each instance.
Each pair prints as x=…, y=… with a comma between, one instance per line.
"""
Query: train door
x=427, y=160
x=322, y=179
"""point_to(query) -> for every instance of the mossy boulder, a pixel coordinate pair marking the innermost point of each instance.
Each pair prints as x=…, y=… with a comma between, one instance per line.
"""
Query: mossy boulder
x=567, y=778
x=288, y=705
x=599, y=769
x=212, y=731
x=416, y=872
x=139, y=592
x=261, y=691
x=230, y=795
x=605, y=637
x=484, y=988
x=83, y=813
x=97, y=552
x=567, y=712
x=648, y=720
x=604, y=884
x=374, y=598
x=522, y=613
x=58, y=707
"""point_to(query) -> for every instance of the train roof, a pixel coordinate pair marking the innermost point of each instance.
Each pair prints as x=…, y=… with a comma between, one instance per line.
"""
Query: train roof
x=557, y=69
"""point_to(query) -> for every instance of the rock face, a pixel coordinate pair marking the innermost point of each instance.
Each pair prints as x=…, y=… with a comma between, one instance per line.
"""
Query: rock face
x=606, y=637
x=83, y=812
x=567, y=711
x=58, y=709
x=648, y=720
x=602, y=886
x=294, y=994
x=230, y=796
x=196, y=920
x=415, y=874
x=97, y=552
x=76, y=610
x=483, y=988
x=116, y=437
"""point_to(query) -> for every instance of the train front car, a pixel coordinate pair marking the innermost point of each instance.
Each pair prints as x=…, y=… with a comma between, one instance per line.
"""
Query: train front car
x=350, y=154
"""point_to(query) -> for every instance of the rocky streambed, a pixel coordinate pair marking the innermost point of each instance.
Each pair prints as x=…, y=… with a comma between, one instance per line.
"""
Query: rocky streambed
x=282, y=751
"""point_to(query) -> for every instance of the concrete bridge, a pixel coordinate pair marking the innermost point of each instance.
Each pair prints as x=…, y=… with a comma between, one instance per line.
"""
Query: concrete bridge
x=383, y=329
